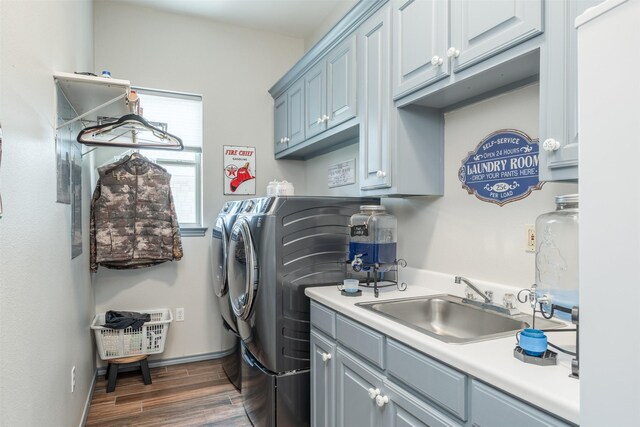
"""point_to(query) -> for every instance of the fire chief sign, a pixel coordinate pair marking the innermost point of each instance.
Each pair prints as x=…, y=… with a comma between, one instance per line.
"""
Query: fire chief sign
x=503, y=168
x=239, y=170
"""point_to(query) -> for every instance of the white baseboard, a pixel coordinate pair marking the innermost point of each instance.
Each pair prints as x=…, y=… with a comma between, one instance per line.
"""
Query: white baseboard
x=87, y=404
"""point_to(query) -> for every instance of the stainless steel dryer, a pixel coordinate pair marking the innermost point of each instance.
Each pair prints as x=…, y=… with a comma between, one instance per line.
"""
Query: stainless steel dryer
x=220, y=245
x=279, y=247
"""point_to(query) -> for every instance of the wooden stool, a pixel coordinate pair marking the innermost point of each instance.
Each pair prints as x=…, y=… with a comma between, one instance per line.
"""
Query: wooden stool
x=112, y=369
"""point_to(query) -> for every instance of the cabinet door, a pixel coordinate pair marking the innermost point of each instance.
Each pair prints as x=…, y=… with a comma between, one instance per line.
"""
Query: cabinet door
x=559, y=91
x=419, y=36
x=405, y=410
x=483, y=28
x=491, y=408
x=280, y=123
x=323, y=360
x=295, y=114
x=354, y=381
x=341, y=83
x=315, y=100
x=374, y=43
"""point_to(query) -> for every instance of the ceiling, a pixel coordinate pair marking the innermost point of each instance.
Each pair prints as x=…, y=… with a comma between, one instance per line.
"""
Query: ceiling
x=295, y=18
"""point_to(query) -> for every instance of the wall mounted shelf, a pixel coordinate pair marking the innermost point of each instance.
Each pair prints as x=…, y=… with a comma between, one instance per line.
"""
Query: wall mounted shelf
x=91, y=96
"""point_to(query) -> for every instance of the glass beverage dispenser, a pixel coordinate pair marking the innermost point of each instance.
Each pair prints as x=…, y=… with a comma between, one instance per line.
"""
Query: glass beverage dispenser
x=557, y=256
x=373, y=239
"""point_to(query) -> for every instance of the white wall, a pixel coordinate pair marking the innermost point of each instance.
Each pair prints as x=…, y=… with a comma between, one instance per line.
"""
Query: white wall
x=457, y=233
x=46, y=299
x=232, y=68
x=336, y=14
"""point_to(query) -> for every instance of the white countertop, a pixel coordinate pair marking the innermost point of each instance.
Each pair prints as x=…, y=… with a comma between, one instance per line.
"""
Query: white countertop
x=547, y=387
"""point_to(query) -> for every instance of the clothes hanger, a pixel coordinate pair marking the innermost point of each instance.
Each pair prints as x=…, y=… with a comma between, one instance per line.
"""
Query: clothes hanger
x=130, y=130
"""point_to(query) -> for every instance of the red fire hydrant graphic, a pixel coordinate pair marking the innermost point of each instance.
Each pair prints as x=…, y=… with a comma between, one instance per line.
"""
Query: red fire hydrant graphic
x=241, y=175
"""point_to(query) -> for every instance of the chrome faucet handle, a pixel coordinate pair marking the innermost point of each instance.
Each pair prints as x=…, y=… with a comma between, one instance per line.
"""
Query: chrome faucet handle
x=509, y=301
x=489, y=295
x=469, y=293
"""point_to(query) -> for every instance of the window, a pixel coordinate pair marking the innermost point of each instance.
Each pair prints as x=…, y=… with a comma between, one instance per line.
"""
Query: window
x=183, y=115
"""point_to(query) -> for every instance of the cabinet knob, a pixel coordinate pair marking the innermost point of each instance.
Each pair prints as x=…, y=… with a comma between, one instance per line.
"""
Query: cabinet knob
x=452, y=52
x=382, y=400
x=436, y=60
x=325, y=118
x=286, y=139
x=281, y=140
x=381, y=174
x=550, y=144
x=326, y=356
x=374, y=392
x=319, y=120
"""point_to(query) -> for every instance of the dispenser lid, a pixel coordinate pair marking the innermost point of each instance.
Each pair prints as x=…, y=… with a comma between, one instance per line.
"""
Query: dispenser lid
x=376, y=208
x=567, y=198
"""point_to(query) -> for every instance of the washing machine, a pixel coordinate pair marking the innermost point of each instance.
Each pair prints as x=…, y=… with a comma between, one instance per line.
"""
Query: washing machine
x=277, y=248
x=220, y=244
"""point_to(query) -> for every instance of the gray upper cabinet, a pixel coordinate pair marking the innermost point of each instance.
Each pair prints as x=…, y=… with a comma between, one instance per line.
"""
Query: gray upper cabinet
x=341, y=83
x=483, y=28
x=295, y=114
x=330, y=89
x=289, y=118
x=280, y=130
x=315, y=116
x=419, y=44
x=374, y=47
x=559, y=92
x=401, y=149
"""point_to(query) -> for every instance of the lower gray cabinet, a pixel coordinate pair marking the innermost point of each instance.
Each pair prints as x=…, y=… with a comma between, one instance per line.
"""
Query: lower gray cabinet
x=492, y=408
x=410, y=389
x=405, y=410
x=323, y=360
x=357, y=387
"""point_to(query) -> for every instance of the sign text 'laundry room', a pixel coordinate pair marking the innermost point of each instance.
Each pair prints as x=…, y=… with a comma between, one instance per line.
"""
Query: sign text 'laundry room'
x=503, y=168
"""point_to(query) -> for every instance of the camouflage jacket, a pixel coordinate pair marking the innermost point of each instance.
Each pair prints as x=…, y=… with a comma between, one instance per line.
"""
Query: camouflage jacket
x=133, y=218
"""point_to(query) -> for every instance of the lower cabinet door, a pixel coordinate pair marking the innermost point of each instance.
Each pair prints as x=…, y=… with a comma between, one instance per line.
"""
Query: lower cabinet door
x=492, y=408
x=323, y=360
x=357, y=386
x=405, y=410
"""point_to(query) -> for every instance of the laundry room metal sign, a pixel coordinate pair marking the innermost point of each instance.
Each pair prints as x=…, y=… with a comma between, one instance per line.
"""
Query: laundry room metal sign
x=503, y=168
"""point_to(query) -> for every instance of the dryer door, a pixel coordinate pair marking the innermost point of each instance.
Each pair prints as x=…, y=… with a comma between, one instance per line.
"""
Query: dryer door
x=242, y=269
x=219, y=257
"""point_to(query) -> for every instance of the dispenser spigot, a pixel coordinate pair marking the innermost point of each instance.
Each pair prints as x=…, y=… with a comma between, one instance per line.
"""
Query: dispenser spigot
x=356, y=264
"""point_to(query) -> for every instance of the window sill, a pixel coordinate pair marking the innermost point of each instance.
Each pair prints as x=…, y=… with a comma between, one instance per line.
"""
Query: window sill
x=193, y=231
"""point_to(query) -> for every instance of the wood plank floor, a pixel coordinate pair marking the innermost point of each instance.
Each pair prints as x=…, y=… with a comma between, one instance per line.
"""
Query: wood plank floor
x=192, y=394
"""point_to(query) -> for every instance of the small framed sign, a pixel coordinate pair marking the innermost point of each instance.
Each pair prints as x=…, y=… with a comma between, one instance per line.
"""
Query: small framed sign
x=239, y=170
x=503, y=168
x=343, y=173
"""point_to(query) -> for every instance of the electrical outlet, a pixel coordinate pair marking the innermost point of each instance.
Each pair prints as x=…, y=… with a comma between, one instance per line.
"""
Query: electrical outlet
x=73, y=379
x=530, y=245
x=179, y=314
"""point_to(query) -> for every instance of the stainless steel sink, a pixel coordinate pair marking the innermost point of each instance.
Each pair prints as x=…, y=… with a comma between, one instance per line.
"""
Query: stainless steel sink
x=449, y=319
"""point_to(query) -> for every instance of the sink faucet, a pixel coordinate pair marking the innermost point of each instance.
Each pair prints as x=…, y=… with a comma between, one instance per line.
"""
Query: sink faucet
x=487, y=296
x=459, y=279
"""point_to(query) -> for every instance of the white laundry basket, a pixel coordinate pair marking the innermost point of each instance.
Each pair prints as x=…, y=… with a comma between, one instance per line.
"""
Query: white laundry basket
x=149, y=339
